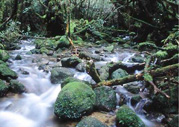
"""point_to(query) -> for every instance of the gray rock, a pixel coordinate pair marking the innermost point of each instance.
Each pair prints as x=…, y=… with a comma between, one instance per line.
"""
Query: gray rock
x=60, y=73
x=70, y=61
x=81, y=67
x=105, y=98
x=119, y=73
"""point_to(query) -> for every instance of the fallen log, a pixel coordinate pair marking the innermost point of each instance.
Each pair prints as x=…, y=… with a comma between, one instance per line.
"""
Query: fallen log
x=137, y=77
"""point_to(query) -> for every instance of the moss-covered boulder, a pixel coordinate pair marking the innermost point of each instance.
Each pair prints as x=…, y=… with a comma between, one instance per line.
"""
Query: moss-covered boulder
x=3, y=88
x=63, y=42
x=90, y=122
x=126, y=117
x=4, y=56
x=119, y=73
x=6, y=72
x=16, y=86
x=148, y=45
x=58, y=74
x=44, y=50
x=70, y=61
x=138, y=59
x=105, y=98
x=68, y=80
x=74, y=100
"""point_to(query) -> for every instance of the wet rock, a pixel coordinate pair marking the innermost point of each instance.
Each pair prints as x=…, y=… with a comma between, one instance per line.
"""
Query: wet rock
x=138, y=59
x=18, y=57
x=104, y=72
x=63, y=42
x=16, y=87
x=133, y=87
x=3, y=88
x=119, y=73
x=6, y=72
x=105, y=98
x=70, y=61
x=90, y=122
x=81, y=67
x=12, y=46
x=60, y=73
x=74, y=100
x=109, y=48
x=24, y=72
x=35, y=51
x=135, y=99
x=44, y=50
x=126, y=117
x=88, y=56
x=4, y=56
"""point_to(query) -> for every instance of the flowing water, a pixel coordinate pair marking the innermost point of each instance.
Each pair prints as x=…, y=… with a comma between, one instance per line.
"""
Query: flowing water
x=35, y=107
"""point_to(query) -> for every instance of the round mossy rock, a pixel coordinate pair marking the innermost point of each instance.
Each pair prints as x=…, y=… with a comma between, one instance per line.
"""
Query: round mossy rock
x=4, y=56
x=3, y=88
x=119, y=73
x=16, y=87
x=105, y=98
x=126, y=117
x=6, y=72
x=63, y=42
x=74, y=100
x=90, y=122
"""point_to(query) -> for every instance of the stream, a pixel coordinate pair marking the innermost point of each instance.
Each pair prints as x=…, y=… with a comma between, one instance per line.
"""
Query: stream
x=35, y=107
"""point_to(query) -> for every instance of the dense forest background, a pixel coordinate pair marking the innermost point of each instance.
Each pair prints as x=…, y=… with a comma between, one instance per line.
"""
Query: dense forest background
x=149, y=27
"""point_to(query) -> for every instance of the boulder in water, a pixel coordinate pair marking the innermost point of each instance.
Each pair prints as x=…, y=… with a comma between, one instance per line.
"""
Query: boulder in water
x=119, y=73
x=18, y=57
x=105, y=98
x=6, y=72
x=90, y=122
x=126, y=117
x=70, y=61
x=60, y=73
x=3, y=88
x=74, y=100
x=16, y=87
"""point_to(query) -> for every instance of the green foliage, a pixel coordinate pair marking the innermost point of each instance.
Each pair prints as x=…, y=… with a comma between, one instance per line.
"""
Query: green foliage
x=126, y=117
x=147, y=77
x=16, y=87
x=74, y=100
x=4, y=56
x=161, y=54
x=147, y=46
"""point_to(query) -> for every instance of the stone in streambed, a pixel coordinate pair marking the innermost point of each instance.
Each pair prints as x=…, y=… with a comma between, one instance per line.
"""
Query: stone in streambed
x=3, y=88
x=74, y=100
x=63, y=42
x=18, y=57
x=90, y=122
x=16, y=87
x=60, y=73
x=126, y=117
x=6, y=72
x=105, y=98
x=70, y=61
x=119, y=73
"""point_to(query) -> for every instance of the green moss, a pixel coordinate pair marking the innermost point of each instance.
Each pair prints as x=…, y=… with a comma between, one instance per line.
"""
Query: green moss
x=6, y=72
x=105, y=98
x=3, y=88
x=74, y=100
x=126, y=117
x=68, y=80
x=119, y=73
x=63, y=42
x=161, y=54
x=90, y=122
x=16, y=87
x=148, y=77
x=4, y=56
x=44, y=50
x=147, y=46
x=171, y=47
